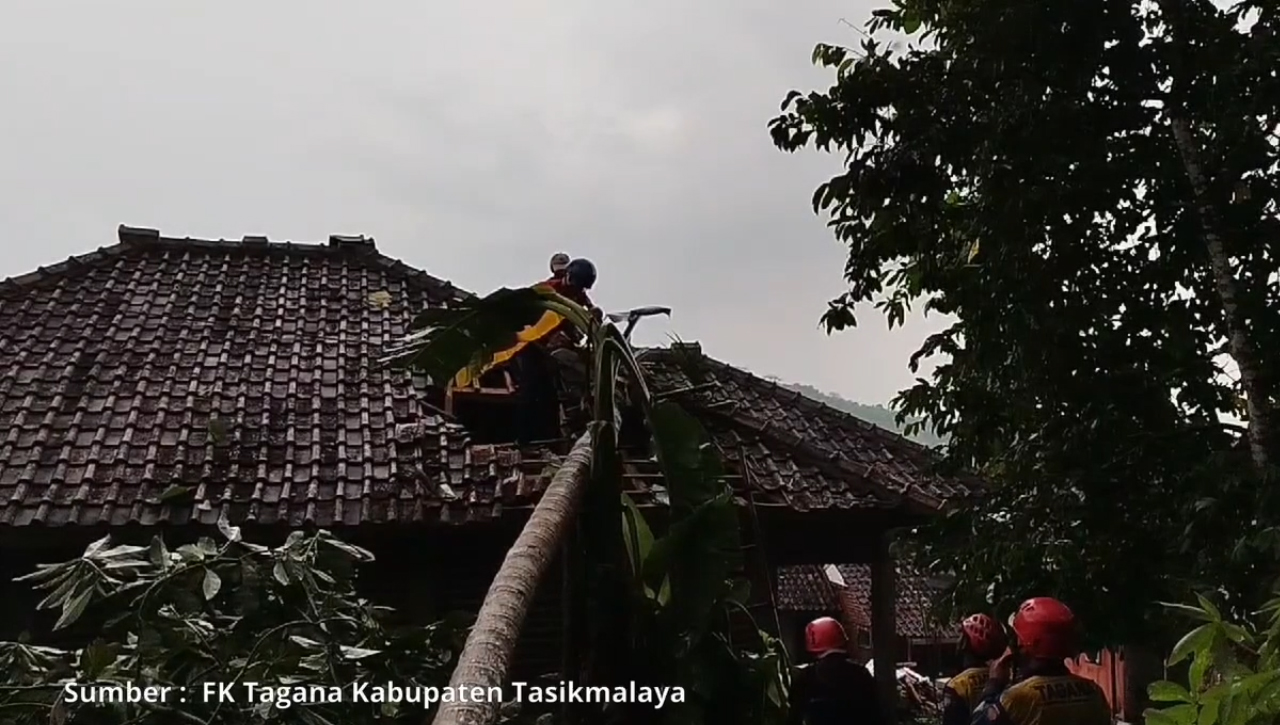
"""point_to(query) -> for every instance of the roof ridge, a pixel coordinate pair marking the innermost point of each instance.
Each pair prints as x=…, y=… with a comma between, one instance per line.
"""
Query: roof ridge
x=144, y=238
x=829, y=412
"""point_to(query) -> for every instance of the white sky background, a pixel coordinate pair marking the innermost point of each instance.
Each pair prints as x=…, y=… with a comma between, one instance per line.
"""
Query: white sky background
x=471, y=140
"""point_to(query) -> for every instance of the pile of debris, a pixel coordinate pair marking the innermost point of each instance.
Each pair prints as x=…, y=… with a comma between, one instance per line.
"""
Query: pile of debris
x=919, y=698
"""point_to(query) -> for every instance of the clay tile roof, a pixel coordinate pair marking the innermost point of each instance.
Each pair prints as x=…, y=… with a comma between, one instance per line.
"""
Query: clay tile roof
x=807, y=589
x=807, y=454
x=171, y=380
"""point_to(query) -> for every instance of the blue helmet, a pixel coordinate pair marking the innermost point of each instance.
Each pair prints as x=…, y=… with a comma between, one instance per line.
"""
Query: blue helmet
x=581, y=273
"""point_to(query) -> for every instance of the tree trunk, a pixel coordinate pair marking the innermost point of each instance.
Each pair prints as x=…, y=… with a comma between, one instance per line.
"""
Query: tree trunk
x=486, y=656
x=1257, y=398
x=1257, y=401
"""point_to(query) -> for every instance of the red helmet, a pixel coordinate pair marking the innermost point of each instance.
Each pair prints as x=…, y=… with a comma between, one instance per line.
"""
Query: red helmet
x=984, y=636
x=1046, y=629
x=824, y=636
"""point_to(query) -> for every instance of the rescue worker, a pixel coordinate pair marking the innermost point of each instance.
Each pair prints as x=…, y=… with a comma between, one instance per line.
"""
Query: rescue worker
x=538, y=366
x=833, y=689
x=1045, y=633
x=537, y=404
x=559, y=263
x=579, y=276
x=981, y=641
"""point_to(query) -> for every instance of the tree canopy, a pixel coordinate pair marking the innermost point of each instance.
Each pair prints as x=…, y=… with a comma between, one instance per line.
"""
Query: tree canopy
x=1090, y=189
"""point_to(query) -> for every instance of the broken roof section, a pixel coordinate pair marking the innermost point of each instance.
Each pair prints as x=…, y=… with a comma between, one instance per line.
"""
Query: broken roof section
x=175, y=380
x=834, y=460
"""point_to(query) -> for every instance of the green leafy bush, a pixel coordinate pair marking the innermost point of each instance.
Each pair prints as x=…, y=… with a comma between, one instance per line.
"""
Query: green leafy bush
x=686, y=591
x=1233, y=673
x=232, y=612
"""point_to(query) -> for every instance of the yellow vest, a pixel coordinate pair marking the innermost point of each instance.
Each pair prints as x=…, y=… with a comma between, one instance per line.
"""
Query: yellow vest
x=1057, y=700
x=968, y=685
x=543, y=327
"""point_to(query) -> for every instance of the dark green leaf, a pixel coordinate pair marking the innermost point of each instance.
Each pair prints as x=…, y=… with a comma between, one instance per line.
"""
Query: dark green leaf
x=159, y=553
x=1196, y=642
x=1165, y=691
x=97, y=658
x=97, y=546
x=1193, y=612
x=74, y=607
x=355, y=552
x=212, y=584
x=1209, y=608
x=638, y=536
x=47, y=572
x=1176, y=715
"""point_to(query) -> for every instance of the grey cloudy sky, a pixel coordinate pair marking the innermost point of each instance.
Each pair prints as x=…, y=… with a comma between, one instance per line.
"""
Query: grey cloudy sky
x=470, y=141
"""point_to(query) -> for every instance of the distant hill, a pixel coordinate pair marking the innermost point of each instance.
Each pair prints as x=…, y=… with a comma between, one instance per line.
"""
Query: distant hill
x=875, y=414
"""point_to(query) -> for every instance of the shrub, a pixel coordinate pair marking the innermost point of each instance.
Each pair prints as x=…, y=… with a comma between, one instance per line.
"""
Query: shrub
x=1233, y=674
x=233, y=613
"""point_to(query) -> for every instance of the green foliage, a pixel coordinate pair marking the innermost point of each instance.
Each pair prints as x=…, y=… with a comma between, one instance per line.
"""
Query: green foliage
x=1233, y=672
x=687, y=592
x=232, y=612
x=1019, y=174
x=467, y=334
x=672, y=622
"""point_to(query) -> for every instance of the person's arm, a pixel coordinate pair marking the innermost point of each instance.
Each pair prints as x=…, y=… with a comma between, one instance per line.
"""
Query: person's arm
x=991, y=693
x=994, y=707
x=999, y=676
x=991, y=713
x=955, y=711
x=875, y=708
x=798, y=696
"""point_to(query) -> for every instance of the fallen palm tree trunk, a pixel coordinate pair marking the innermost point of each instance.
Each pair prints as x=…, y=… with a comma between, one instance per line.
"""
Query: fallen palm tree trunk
x=487, y=654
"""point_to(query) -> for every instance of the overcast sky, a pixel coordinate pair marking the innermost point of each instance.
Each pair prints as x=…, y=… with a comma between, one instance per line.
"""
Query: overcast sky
x=471, y=142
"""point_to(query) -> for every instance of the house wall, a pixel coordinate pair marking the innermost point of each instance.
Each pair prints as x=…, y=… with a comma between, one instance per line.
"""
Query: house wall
x=1107, y=669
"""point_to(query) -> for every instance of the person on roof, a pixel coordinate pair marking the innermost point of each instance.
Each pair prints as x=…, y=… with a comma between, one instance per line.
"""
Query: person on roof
x=981, y=641
x=559, y=263
x=544, y=367
x=1045, y=635
x=833, y=689
x=579, y=276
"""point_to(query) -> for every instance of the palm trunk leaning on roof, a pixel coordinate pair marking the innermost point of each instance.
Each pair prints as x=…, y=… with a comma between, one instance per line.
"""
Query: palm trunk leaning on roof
x=486, y=656
x=444, y=342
